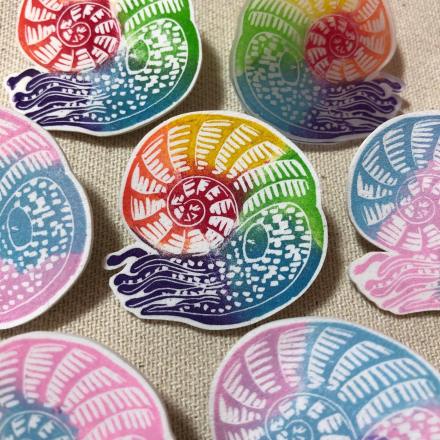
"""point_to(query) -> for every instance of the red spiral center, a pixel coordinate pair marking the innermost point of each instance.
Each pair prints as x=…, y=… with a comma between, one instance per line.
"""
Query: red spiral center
x=203, y=202
x=331, y=38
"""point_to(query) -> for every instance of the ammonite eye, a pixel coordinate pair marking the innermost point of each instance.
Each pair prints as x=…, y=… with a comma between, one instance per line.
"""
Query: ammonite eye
x=313, y=379
x=104, y=66
x=45, y=225
x=228, y=220
x=61, y=387
x=313, y=69
x=395, y=203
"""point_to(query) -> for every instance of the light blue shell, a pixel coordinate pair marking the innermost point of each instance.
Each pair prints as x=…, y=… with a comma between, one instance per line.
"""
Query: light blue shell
x=384, y=167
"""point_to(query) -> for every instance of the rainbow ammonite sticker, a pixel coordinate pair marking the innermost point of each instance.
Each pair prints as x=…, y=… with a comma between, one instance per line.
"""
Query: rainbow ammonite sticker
x=45, y=222
x=313, y=69
x=104, y=66
x=394, y=202
x=323, y=380
x=228, y=218
x=60, y=387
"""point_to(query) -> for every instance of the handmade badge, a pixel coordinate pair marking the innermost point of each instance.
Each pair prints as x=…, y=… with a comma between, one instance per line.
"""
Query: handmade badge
x=104, y=66
x=228, y=221
x=394, y=202
x=314, y=69
x=320, y=379
x=56, y=386
x=45, y=222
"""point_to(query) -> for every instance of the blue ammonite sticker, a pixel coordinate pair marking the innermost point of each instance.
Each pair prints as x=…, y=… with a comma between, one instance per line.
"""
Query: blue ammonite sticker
x=313, y=69
x=394, y=202
x=314, y=379
x=45, y=222
x=59, y=387
x=228, y=219
x=105, y=66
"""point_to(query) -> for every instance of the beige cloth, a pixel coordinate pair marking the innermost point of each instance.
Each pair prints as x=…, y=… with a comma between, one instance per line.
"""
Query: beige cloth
x=180, y=361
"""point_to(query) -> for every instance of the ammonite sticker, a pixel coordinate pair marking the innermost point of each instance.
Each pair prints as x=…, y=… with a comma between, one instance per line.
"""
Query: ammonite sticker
x=317, y=379
x=45, y=222
x=56, y=386
x=230, y=220
x=394, y=198
x=105, y=66
x=313, y=69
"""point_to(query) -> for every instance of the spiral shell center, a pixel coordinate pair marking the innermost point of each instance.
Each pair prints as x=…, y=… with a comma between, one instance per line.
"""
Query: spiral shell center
x=71, y=31
x=416, y=200
x=295, y=417
x=206, y=204
x=34, y=424
x=70, y=36
x=331, y=38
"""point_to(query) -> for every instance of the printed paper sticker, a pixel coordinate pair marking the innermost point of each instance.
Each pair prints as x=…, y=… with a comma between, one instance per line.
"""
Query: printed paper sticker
x=45, y=222
x=317, y=379
x=395, y=204
x=314, y=69
x=60, y=387
x=228, y=221
x=104, y=66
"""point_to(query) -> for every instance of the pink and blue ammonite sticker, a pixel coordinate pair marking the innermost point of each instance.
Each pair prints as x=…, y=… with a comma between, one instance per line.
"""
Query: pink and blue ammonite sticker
x=228, y=221
x=313, y=69
x=322, y=379
x=45, y=222
x=56, y=386
x=104, y=66
x=394, y=202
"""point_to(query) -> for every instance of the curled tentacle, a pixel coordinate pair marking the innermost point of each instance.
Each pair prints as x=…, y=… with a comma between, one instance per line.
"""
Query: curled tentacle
x=45, y=224
x=59, y=387
x=317, y=379
x=314, y=70
x=230, y=215
x=121, y=85
x=395, y=204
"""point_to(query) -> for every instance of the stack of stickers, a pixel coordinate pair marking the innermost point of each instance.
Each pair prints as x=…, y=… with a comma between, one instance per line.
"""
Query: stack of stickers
x=226, y=215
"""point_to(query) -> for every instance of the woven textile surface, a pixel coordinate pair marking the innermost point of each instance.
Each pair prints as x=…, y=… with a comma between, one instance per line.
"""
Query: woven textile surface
x=180, y=361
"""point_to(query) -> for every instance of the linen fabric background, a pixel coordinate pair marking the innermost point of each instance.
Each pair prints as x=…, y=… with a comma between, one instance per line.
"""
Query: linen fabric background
x=180, y=361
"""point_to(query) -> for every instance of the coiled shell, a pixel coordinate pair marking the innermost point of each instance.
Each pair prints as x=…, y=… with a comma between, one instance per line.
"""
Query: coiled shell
x=313, y=69
x=69, y=36
x=61, y=387
x=395, y=204
x=318, y=379
x=229, y=214
x=45, y=222
x=113, y=65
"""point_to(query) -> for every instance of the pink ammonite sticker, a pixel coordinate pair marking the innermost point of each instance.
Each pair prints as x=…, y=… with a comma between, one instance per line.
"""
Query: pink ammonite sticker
x=45, y=222
x=319, y=379
x=55, y=386
x=394, y=202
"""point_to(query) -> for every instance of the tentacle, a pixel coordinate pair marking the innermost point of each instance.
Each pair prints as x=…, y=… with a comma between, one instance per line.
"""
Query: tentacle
x=401, y=284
